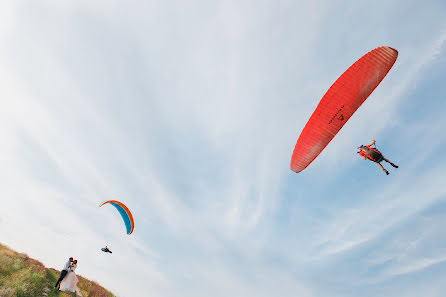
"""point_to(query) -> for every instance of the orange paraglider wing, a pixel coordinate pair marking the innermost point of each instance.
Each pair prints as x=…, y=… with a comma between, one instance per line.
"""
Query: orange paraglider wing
x=339, y=103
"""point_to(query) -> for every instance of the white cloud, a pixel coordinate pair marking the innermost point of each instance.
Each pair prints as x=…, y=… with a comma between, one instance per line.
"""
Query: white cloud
x=189, y=112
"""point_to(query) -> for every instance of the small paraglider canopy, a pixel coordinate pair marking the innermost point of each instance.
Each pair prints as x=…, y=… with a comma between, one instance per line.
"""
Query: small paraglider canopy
x=125, y=214
x=339, y=103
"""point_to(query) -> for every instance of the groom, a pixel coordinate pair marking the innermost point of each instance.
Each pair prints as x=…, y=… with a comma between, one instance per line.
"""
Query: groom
x=64, y=272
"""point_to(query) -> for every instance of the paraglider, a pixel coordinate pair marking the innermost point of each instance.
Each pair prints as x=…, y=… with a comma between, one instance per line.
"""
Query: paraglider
x=106, y=250
x=339, y=103
x=125, y=214
x=372, y=153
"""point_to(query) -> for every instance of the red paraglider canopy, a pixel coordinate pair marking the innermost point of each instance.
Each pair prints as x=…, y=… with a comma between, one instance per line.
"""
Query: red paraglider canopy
x=339, y=103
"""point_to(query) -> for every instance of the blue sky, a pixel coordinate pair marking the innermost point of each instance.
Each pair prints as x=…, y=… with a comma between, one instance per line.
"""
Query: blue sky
x=188, y=112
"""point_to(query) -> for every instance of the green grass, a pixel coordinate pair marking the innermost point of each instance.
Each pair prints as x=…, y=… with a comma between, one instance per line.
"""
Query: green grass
x=21, y=276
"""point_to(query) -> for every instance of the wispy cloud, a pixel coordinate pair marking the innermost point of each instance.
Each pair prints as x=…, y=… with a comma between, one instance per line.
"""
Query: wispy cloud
x=188, y=112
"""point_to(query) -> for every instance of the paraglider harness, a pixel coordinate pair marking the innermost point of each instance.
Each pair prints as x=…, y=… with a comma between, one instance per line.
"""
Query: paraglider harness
x=106, y=250
x=371, y=153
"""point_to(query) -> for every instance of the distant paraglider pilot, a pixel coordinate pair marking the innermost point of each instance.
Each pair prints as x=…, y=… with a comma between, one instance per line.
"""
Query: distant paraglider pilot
x=371, y=153
x=106, y=250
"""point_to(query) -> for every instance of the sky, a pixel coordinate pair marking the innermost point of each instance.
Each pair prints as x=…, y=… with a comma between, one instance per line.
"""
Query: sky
x=188, y=112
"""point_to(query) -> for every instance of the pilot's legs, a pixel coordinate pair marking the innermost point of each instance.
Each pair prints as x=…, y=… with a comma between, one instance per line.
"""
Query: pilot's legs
x=379, y=164
x=390, y=163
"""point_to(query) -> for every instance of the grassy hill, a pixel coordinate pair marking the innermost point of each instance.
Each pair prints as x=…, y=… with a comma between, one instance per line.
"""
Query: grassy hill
x=21, y=276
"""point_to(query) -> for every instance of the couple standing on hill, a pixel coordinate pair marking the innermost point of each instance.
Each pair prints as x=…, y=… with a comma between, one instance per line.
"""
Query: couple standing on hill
x=68, y=280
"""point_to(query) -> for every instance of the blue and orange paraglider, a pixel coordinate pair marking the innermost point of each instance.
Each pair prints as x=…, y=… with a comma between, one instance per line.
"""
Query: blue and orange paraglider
x=125, y=214
x=342, y=99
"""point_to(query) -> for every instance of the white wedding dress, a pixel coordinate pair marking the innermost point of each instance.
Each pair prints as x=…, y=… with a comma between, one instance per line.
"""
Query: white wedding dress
x=69, y=283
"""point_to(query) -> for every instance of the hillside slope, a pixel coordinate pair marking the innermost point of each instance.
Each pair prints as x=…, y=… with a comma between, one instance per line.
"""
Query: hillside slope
x=21, y=276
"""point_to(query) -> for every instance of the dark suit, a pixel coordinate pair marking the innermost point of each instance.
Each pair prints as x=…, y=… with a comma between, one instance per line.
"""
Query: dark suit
x=63, y=273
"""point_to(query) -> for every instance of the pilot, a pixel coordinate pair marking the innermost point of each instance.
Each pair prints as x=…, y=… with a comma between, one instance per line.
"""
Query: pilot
x=371, y=153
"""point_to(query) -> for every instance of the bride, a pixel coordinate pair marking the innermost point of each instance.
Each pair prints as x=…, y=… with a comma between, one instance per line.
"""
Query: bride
x=69, y=283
